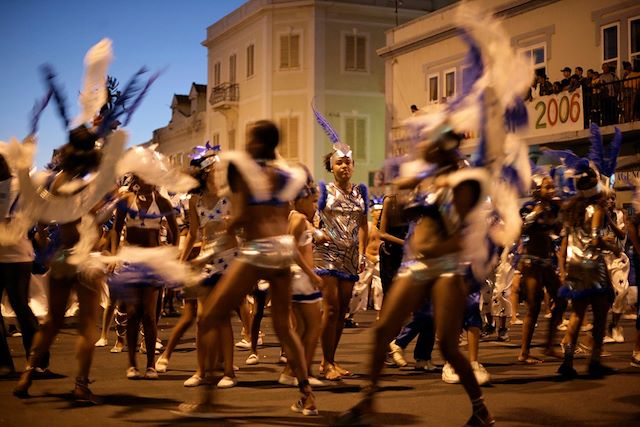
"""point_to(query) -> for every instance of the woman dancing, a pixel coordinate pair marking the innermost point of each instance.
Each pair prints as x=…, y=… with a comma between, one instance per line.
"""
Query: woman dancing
x=342, y=209
x=208, y=218
x=260, y=189
x=141, y=210
x=541, y=221
x=434, y=269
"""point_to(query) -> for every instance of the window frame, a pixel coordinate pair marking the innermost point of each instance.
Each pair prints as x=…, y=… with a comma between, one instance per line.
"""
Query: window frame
x=631, y=54
x=446, y=72
x=217, y=73
x=300, y=47
x=233, y=77
x=531, y=48
x=437, y=98
x=343, y=52
x=602, y=39
x=250, y=71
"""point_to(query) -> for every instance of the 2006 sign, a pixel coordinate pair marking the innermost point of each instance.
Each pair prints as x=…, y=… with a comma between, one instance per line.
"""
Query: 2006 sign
x=561, y=108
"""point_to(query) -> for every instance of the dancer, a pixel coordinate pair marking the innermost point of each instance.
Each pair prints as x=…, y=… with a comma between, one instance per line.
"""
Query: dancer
x=141, y=210
x=541, y=222
x=343, y=209
x=260, y=189
x=208, y=218
x=305, y=287
x=433, y=270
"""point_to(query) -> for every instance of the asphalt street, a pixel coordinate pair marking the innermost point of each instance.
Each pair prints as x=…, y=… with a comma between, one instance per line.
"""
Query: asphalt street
x=518, y=395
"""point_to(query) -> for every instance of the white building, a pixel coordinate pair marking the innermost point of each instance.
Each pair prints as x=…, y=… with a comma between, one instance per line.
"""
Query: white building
x=424, y=64
x=269, y=59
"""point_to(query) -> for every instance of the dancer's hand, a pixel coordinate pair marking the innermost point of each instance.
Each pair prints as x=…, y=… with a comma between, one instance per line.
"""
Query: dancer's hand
x=316, y=281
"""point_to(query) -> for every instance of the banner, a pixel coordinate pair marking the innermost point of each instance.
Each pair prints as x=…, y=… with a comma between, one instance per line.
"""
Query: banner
x=552, y=114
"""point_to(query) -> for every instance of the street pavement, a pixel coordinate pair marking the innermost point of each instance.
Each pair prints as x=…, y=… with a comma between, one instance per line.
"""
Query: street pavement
x=518, y=395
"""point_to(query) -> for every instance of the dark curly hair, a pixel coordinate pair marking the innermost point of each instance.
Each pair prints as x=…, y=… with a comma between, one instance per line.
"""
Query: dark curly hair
x=327, y=162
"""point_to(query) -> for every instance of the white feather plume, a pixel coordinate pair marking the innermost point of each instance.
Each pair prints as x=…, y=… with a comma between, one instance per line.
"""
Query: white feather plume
x=17, y=155
x=16, y=228
x=94, y=90
x=88, y=232
x=154, y=168
x=251, y=172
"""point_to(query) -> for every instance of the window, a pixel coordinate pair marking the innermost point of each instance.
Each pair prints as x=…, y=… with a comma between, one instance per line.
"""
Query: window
x=289, y=51
x=634, y=41
x=537, y=55
x=232, y=68
x=610, y=43
x=232, y=139
x=215, y=139
x=450, y=83
x=356, y=136
x=216, y=74
x=289, y=136
x=250, y=58
x=432, y=87
x=355, y=52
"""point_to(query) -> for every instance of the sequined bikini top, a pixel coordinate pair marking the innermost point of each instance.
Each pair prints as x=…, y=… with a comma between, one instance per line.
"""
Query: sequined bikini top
x=150, y=219
x=206, y=215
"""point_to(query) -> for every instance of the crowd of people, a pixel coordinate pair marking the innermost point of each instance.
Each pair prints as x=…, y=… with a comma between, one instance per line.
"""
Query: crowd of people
x=608, y=98
x=449, y=246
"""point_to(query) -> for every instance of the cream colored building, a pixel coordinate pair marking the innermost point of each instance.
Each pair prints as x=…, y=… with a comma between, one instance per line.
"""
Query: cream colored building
x=269, y=59
x=186, y=128
x=424, y=57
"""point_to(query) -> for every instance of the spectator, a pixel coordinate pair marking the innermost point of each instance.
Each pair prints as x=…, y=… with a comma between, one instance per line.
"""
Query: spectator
x=630, y=91
x=546, y=88
x=414, y=109
x=608, y=108
x=557, y=87
x=566, y=73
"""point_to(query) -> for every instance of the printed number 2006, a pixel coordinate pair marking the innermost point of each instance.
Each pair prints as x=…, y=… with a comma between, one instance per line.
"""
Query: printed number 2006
x=554, y=111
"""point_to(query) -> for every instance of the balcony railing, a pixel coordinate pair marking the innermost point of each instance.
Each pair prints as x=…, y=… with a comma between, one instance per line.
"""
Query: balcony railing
x=613, y=103
x=225, y=94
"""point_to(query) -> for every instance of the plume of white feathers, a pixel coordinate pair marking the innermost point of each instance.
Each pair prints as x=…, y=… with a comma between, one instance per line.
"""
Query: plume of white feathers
x=94, y=90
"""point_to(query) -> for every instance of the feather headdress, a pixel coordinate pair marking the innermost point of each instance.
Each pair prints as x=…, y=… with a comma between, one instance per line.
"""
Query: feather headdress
x=340, y=148
x=94, y=92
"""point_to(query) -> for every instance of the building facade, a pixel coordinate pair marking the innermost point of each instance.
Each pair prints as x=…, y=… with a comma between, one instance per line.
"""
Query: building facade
x=270, y=59
x=186, y=128
x=424, y=66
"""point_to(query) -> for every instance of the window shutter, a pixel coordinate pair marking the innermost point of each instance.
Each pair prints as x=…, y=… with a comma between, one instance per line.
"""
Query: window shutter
x=284, y=51
x=349, y=52
x=361, y=53
x=294, y=61
x=360, y=148
x=292, y=138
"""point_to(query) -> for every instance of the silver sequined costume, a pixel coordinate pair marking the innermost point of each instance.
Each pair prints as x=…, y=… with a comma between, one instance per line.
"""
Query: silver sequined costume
x=340, y=217
x=585, y=265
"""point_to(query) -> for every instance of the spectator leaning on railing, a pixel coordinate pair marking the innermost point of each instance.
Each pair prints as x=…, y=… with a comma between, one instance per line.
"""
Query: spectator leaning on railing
x=630, y=93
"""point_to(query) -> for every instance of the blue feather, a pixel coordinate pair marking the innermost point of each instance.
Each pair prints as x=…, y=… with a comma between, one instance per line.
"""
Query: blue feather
x=566, y=157
x=516, y=115
x=473, y=60
x=512, y=177
x=136, y=103
x=596, y=152
x=326, y=126
x=57, y=93
x=364, y=192
x=37, y=110
x=614, y=152
x=322, y=198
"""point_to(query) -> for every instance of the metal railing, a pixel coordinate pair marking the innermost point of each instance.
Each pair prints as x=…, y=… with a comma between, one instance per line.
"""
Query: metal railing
x=225, y=92
x=612, y=102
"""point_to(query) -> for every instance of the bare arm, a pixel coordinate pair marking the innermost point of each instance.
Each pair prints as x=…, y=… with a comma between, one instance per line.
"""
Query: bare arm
x=194, y=225
x=118, y=226
x=297, y=226
x=384, y=223
x=165, y=206
x=596, y=226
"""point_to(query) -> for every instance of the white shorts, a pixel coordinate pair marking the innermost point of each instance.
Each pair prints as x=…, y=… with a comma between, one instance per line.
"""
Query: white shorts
x=301, y=288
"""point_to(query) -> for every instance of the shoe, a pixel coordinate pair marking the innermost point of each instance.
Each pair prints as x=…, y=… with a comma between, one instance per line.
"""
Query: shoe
x=517, y=322
x=617, y=334
x=197, y=410
x=315, y=382
x=133, y=373
x=252, y=359
x=102, y=342
x=630, y=316
x=246, y=345
x=397, y=354
x=194, y=381
x=567, y=371
x=117, y=348
x=425, y=365
x=564, y=325
x=449, y=375
x=503, y=335
x=305, y=406
x=635, y=359
x=21, y=389
x=481, y=374
x=587, y=327
x=481, y=417
x=487, y=330
x=151, y=374
x=389, y=362
x=159, y=345
x=608, y=340
x=227, y=382
x=331, y=373
x=82, y=394
x=547, y=315
x=161, y=365
x=12, y=331
x=282, y=360
x=597, y=369
x=143, y=348
x=285, y=379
